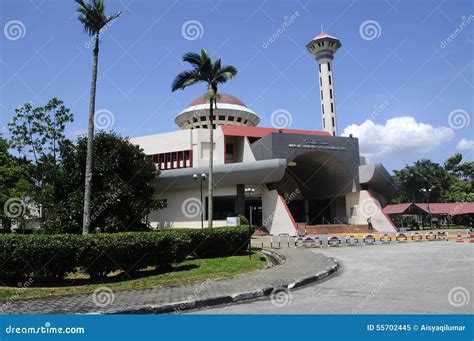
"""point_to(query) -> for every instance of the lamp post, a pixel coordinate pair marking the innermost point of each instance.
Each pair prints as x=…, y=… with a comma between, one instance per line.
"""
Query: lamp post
x=427, y=194
x=250, y=191
x=202, y=178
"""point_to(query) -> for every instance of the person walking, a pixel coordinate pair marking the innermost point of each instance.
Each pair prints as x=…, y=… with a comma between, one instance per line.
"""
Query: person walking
x=369, y=222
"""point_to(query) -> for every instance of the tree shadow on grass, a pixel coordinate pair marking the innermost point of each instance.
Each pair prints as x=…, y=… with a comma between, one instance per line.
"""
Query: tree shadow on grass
x=81, y=279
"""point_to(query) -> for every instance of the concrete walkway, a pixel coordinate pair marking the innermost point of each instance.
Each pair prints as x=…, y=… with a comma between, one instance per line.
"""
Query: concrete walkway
x=299, y=267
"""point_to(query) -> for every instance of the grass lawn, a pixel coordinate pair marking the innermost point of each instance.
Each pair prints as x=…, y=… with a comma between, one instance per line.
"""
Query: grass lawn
x=189, y=271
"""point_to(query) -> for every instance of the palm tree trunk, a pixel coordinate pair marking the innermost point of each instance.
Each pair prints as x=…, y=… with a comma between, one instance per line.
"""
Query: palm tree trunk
x=90, y=142
x=210, y=208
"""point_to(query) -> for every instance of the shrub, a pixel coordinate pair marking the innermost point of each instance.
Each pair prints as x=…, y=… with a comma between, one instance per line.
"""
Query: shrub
x=132, y=251
x=219, y=241
x=243, y=220
x=51, y=257
x=38, y=256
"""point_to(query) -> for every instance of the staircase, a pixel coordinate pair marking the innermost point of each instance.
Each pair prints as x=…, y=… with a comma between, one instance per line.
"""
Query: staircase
x=334, y=229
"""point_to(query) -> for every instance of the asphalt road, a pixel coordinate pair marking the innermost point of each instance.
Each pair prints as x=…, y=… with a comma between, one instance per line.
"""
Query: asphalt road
x=412, y=278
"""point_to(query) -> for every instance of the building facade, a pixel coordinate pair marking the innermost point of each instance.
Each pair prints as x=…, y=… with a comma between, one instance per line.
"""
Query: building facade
x=278, y=177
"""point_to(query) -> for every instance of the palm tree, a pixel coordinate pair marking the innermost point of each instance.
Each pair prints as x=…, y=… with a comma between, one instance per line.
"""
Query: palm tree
x=92, y=16
x=213, y=74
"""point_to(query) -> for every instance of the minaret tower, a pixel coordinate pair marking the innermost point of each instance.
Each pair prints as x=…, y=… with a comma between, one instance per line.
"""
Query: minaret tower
x=323, y=47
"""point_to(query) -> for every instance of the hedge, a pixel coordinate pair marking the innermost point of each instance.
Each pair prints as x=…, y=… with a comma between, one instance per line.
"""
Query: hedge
x=37, y=256
x=52, y=257
x=131, y=251
x=218, y=241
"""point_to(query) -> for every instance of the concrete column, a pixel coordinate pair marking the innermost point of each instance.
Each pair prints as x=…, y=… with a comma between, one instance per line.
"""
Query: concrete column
x=328, y=104
x=240, y=201
x=306, y=210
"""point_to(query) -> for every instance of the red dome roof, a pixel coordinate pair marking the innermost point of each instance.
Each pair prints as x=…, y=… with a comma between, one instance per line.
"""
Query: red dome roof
x=224, y=98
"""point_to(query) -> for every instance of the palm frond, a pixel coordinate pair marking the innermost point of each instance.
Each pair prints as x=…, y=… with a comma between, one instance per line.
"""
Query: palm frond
x=225, y=73
x=111, y=18
x=184, y=79
x=92, y=15
x=204, y=71
x=192, y=58
x=216, y=66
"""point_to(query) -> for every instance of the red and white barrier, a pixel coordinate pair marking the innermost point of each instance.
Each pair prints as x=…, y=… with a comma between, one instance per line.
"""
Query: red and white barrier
x=430, y=236
x=334, y=241
x=416, y=237
x=352, y=241
x=369, y=240
x=401, y=237
x=311, y=242
x=385, y=238
x=442, y=236
x=471, y=236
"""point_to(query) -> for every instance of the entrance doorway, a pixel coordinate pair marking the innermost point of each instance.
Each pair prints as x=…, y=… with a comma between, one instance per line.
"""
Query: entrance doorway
x=256, y=212
x=319, y=211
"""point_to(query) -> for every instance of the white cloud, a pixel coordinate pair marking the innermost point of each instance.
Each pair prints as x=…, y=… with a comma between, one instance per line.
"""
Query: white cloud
x=398, y=135
x=465, y=144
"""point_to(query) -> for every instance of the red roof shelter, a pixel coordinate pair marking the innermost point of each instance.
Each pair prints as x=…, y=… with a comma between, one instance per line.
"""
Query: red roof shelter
x=451, y=208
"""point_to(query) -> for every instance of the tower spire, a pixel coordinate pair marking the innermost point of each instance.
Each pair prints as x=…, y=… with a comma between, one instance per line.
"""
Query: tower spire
x=323, y=47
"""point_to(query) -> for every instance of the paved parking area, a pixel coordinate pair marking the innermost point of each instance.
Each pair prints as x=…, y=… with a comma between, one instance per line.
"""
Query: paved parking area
x=408, y=278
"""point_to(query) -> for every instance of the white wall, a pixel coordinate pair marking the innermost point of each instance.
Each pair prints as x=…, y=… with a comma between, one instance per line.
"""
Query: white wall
x=248, y=154
x=276, y=218
x=364, y=205
x=183, y=208
x=165, y=142
x=201, y=136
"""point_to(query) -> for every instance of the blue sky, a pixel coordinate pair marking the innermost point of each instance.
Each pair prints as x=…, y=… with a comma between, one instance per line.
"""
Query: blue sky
x=405, y=91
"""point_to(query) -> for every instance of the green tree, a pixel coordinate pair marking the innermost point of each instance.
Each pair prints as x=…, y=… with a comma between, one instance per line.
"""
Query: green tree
x=13, y=188
x=431, y=182
x=37, y=133
x=212, y=74
x=461, y=188
x=124, y=185
x=92, y=16
x=425, y=181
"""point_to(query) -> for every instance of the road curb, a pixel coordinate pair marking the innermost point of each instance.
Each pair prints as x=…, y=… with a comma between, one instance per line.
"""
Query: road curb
x=229, y=299
x=314, y=278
